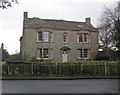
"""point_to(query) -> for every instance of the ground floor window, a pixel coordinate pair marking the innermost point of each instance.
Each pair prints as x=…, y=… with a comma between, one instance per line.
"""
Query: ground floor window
x=83, y=53
x=44, y=53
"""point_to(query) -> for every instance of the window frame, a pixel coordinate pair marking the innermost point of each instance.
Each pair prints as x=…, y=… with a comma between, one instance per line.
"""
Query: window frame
x=45, y=53
x=79, y=36
x=86, y=38
x=38, y=38
x=81, y=54
x=38, y=53
x=85, y=53
x=45, y=36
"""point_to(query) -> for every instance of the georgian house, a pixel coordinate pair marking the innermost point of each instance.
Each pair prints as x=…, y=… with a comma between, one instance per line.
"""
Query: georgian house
x=58, y=40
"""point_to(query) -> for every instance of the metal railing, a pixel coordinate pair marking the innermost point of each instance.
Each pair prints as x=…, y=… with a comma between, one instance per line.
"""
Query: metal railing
x=60, y=69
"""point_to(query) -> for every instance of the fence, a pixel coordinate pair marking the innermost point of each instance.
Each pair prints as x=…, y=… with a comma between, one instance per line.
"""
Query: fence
x=60, y=69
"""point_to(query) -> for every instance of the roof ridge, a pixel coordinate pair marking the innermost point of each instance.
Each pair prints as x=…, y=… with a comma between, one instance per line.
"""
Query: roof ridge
x=64, y=20
x=58, y=20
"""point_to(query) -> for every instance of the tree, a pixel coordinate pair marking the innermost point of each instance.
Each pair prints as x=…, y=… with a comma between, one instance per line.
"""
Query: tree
x=117, y=36
x=109, y=27
x=4, y=53
x=14, y=57
x=4, y=4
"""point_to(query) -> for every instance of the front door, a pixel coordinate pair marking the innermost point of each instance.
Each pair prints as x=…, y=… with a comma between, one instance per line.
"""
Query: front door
x=64, y=56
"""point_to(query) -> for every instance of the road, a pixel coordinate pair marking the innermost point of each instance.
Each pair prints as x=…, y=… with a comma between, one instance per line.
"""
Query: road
x=60, y=86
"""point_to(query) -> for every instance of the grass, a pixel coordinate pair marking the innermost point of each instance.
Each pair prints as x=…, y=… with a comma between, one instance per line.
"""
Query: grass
x=2, y=62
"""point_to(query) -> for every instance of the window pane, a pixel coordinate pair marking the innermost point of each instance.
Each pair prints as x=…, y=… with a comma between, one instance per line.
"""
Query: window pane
x=39, y=53
x=45, y=53
x=85, y=53
x=79, y=37
x=46, y=36
x=86, y=37
x=39, y=37
x=79, y=54
x=65, y=38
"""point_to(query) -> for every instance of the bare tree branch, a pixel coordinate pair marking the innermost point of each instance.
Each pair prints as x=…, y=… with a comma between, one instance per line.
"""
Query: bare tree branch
x=4, y=4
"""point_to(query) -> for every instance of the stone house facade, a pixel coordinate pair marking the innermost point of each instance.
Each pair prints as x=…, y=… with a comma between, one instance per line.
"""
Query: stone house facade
x=58, y=40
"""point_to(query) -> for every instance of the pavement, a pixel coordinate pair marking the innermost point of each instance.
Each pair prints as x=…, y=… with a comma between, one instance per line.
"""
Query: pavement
x=60, y=78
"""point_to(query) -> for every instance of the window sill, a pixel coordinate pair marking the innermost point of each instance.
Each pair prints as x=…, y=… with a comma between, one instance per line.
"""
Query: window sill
x=43, y=58
x=65, y=42
x=79, y=58
x=82, y=58
x=44, y=42
x=83, y=42
x=79, y=42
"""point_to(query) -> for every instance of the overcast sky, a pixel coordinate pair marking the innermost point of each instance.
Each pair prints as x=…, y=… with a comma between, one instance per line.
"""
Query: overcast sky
x=11, y=20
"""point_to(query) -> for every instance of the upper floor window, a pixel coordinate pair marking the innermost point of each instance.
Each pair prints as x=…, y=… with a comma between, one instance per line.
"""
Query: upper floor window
x=79, y=38
x=65, y=38
x=44, y=37
x=83, y=38
x=39, y=36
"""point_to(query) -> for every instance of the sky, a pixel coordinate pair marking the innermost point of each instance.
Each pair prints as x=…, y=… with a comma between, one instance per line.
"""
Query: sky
x=11, y=19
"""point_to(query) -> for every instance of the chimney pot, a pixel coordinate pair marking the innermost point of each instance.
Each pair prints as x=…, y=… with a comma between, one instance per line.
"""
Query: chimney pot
x=25, y=14
x=88, y=20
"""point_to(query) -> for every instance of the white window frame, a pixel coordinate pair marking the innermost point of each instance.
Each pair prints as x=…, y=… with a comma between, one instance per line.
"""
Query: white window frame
x=45, y=36
x=79, y=53
x=86, y=35
x=43, y=52
x=79, y=36
x=85, y=53
x=38, y=53
x=38, y=39
x=82, y=52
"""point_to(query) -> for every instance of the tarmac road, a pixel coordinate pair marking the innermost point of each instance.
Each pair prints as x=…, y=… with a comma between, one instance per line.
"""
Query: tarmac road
x=61, y=86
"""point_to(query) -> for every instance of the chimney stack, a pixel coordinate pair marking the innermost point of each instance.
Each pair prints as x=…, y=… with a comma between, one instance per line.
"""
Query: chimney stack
x=88, y=20
x=25, y=14
x=2, y=46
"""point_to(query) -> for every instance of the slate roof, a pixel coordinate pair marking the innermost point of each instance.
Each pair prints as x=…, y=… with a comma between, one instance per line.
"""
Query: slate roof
x=59, y=24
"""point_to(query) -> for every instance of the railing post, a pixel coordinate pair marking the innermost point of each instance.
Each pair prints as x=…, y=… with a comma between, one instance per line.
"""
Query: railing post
x=32, y=68
x=81, y=69
x=8, y=69
x=105, y=69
